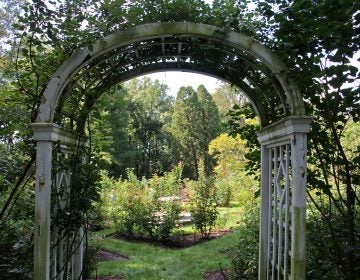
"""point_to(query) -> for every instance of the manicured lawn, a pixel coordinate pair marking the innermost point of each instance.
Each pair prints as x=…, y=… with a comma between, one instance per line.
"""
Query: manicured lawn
x=153, y=262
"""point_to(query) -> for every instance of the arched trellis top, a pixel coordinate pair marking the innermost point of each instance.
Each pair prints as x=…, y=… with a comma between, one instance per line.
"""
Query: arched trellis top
x=192, y=47
x=227, y=55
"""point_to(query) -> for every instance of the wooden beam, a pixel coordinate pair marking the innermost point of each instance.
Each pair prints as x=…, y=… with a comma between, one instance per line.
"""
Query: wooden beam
x=42, y=210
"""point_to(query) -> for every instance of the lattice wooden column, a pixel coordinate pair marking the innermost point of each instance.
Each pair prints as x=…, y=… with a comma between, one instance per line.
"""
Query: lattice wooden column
x=59, y=264
x=283, y=203
x=51, y=263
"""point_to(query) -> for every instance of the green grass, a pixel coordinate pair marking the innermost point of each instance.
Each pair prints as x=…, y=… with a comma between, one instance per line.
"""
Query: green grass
x=153, y=262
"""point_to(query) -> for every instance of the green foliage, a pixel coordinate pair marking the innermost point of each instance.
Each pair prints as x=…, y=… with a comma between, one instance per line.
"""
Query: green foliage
x=130, y=128
x=158, y=262
x=242, y=122
x=133, y=206
x=91, y=258
x=137, y=209
x=225, y=97
x=323, y=243
x=169, y=184
x=239, y=189
x=203, y=203
x=164, y=226
x=224, y=192
x=143, y=11
x=16, y=188
x=229, y=153
x=83, y=190
x=232, y=181
x=16, y=223
x=195, y=123
x=16, y=233
x=101, y=215
x=244, y=257
x=109, y=122
x=149, y=108
x=320, y=60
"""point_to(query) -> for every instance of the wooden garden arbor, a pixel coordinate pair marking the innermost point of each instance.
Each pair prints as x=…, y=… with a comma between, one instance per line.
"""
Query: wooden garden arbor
x=179, y=46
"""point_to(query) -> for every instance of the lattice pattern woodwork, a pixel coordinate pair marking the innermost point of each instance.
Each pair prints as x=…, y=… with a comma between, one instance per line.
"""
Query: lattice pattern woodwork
x=60, y=265
x=279, y=222
x=66, y=246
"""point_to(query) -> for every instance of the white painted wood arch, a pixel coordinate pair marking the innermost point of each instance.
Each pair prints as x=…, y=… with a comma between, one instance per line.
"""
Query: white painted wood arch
x=283, y=158
x=240, y=41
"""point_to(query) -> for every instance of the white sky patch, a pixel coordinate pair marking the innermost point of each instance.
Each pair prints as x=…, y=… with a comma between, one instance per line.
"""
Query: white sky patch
x=177, y=79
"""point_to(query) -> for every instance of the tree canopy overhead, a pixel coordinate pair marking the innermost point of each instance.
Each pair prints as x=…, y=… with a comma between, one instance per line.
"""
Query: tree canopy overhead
x=66, y=27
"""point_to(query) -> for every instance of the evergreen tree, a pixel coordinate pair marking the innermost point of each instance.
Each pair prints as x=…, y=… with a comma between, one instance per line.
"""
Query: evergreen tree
x=195, y=123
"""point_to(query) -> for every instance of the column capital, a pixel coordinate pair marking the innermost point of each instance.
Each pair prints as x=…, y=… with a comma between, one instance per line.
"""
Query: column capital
x=283, y=129
x=52, y=132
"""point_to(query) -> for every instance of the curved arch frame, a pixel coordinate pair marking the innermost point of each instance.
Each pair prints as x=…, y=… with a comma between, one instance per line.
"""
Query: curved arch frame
x=237, y=40
x=173, y=66
x=283, y=146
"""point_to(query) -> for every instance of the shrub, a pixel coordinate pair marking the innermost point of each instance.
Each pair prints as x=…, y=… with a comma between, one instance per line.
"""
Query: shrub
x=137, y=210
x=223, y=192
x=101, y=215
x=167, y=185
x=162, y=228
x=203, y=203
x=326, y=247
x=133, y=207
x=91, y=257
x=244, y=257
x=239, y=188
x=16, y=234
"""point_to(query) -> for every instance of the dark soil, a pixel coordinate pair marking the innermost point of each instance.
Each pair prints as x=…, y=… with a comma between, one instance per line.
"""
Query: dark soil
x=176, y=242
x=216, y=275
x=108, y=278
x=105, y=256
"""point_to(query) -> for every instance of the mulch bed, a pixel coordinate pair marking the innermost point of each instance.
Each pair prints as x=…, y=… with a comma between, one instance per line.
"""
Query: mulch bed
x=189, y=240
x=105, y=256
x=108, y=278
x=176, y=242
x=216, y=275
